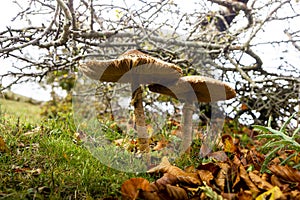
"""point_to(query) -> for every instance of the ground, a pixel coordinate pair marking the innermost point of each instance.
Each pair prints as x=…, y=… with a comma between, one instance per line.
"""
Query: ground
x=41, y=158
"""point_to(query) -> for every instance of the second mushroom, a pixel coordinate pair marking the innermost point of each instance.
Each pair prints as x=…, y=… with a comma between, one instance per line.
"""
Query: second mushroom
x=192, y=89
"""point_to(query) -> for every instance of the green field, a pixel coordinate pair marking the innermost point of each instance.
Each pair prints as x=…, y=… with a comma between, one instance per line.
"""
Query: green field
x=23, y=110
x=40, y=160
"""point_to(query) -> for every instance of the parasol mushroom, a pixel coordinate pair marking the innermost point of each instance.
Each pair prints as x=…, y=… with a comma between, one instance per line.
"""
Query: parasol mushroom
x=192, y=89
x=136, y=68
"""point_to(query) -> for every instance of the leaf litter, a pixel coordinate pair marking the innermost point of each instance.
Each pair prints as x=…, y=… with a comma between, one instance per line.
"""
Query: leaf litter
x=233, y=172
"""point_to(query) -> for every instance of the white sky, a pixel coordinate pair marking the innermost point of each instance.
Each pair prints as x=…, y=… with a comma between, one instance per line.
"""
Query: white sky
x=8, y=10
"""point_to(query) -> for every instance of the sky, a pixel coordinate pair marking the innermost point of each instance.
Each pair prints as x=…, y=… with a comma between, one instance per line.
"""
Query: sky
x=8, y=10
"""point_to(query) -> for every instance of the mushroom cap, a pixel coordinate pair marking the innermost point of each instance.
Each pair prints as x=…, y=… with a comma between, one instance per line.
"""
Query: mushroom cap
x=196, y=88
x=132, y=66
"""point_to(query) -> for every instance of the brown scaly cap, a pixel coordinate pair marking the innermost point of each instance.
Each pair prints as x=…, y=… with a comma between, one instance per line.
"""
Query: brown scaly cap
x=196, y=88
x=132, y=65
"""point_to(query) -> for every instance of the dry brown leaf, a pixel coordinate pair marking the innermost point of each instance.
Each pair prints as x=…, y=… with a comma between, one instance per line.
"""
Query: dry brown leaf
x=212, y=167
x=189, y=178
x=245, y=195
x=265, y=176
x=148, y=195
x=228, y=145
x=130, y=189
x=286, y=173
x=245, y=177
x=255, y=158
x=236, y=162
x=3, y=147
x=219, y=156
x=259, y=182
x=182, y=176
x=222, y=175
x=176, y=193
x=160, y=184
x=276, y=182
x=237, y=179
x=295, y=194
x=229, y=196
x=162, y=167
x=129, y=144
x=205, y=176
x=160, y=145
x=190, y=169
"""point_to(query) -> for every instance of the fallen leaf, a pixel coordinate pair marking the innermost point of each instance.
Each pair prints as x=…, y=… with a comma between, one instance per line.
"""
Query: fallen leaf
x=128, y=144
x=222, y=175
x=245, y=177
x=205, y=176
x=218, y=156
x=277, y=182
x=176, y=193
x=295, y=194
x=182, y=176
x=228, y=145
x=272, y=194
x=255, y=158
x=146, y=195
x=160, y=184
x=245, y=195
x=190, y=169
x=237, y=179
x=3, y=147
x=229, y=196
x=259, y=182
x=130, y=188
x=285, y=172
x=160, y=145
x=212, y=167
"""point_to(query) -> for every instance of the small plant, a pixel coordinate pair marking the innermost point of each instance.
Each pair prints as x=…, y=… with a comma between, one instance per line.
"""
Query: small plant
x=277, y=140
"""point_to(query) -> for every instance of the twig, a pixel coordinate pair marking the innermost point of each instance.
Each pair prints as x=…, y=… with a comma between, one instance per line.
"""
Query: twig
x=36, y=40
x=66, y=28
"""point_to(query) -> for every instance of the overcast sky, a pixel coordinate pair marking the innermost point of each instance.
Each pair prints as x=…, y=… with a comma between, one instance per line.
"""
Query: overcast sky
x=274, y=31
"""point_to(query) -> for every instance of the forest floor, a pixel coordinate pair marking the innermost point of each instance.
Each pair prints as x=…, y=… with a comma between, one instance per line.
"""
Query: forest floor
x=42, y=158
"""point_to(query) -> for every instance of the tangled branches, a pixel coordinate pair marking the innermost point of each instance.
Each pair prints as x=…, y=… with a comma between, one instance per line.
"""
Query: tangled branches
x=54, y=36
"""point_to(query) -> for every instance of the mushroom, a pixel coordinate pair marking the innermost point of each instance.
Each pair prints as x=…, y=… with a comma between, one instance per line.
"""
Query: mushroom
x=136, y=68
x=192, y=89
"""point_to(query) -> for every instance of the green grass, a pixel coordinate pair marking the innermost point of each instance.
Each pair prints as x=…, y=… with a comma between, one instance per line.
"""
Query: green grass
x=23, y=110
x=43, y=162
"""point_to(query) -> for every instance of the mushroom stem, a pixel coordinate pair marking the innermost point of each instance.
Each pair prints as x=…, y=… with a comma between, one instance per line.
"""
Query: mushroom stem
x=187, y=129
x=140, y=123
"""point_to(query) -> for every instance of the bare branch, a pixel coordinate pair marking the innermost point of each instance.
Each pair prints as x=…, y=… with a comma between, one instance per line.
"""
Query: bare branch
x=36, y=40
x=66, y=28
x=291, y=39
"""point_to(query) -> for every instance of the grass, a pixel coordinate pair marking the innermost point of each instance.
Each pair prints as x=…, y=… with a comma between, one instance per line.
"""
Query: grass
x=23, y=110
x=43, y=162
